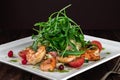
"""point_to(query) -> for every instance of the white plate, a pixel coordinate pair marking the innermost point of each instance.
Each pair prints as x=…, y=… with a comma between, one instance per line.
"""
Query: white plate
x=110, y=46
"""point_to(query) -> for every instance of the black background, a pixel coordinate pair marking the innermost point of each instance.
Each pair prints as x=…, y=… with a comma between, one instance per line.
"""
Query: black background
x=90, y=14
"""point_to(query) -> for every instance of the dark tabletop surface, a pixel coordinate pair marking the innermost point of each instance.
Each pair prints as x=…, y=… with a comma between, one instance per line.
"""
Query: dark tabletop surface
x=8, y=72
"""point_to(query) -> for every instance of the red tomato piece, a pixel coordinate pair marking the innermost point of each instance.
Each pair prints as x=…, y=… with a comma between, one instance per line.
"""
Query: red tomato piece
x=76, y=63
x=23, y=53
x=98, y=44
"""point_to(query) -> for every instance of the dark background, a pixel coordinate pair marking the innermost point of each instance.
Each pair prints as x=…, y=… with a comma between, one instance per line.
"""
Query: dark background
x=90, y=14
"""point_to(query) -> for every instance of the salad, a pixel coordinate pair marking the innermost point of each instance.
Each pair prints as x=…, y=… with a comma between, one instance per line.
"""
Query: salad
x=59, y=42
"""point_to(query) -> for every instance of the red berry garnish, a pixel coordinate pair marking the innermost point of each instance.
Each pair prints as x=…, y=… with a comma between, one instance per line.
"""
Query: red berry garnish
x=61, y=67
x=10, y=53
x=24, y=61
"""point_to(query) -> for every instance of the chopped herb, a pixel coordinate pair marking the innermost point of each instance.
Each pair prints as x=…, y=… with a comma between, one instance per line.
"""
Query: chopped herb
x=108, y=53
x=51, y=70
x=77, y=53
x=86, y=61
x=14, y=60
x=103, y=48
x=103, y=58
x=34, y=67
x=62, y=71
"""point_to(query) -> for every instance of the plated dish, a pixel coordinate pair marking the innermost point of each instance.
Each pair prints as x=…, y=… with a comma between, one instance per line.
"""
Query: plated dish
x=59, y=50
x=16, y=46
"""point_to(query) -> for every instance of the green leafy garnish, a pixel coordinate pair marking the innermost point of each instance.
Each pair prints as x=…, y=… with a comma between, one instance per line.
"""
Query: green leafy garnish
x=58, y=32
x=61, y=71
x=103, y=48
x=13, y=60
x=86, y=61
x=108, y=53
x=76, y=53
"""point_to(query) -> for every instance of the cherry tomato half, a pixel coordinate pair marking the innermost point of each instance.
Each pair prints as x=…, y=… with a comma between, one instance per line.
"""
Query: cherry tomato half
x=97, y=43
x=76, y=63
x=23, y=53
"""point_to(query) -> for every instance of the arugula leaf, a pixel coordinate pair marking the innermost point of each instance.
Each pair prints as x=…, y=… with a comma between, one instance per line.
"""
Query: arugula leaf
x=76, y=53
x=57, y=33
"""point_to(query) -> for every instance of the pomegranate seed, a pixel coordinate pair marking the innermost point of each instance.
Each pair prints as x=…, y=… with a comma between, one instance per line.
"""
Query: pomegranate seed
x=61, y=67
x=24, y=61
x=10, y=53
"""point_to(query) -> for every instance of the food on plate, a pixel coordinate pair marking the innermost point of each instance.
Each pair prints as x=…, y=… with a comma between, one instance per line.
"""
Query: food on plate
x=77, y=62
x=34, y=57
x=60, y=41
x=98, y=44
x=10, y=53
x=48, y=64
x=92, y=54
x=24, y=61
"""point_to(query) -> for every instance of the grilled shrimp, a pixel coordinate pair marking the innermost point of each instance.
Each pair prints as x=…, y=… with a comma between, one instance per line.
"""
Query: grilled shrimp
x=33, y=57
x=48, y=65
x=92, y=54
x=66, y=59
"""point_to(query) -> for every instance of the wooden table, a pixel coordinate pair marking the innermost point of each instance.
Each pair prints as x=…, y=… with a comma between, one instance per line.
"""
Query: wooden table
x=11, y=73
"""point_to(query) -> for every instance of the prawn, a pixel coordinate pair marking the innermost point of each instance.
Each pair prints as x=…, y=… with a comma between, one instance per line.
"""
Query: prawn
x=33, y=57
x=92, y=54
x=66, y=59
x=48, y=65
